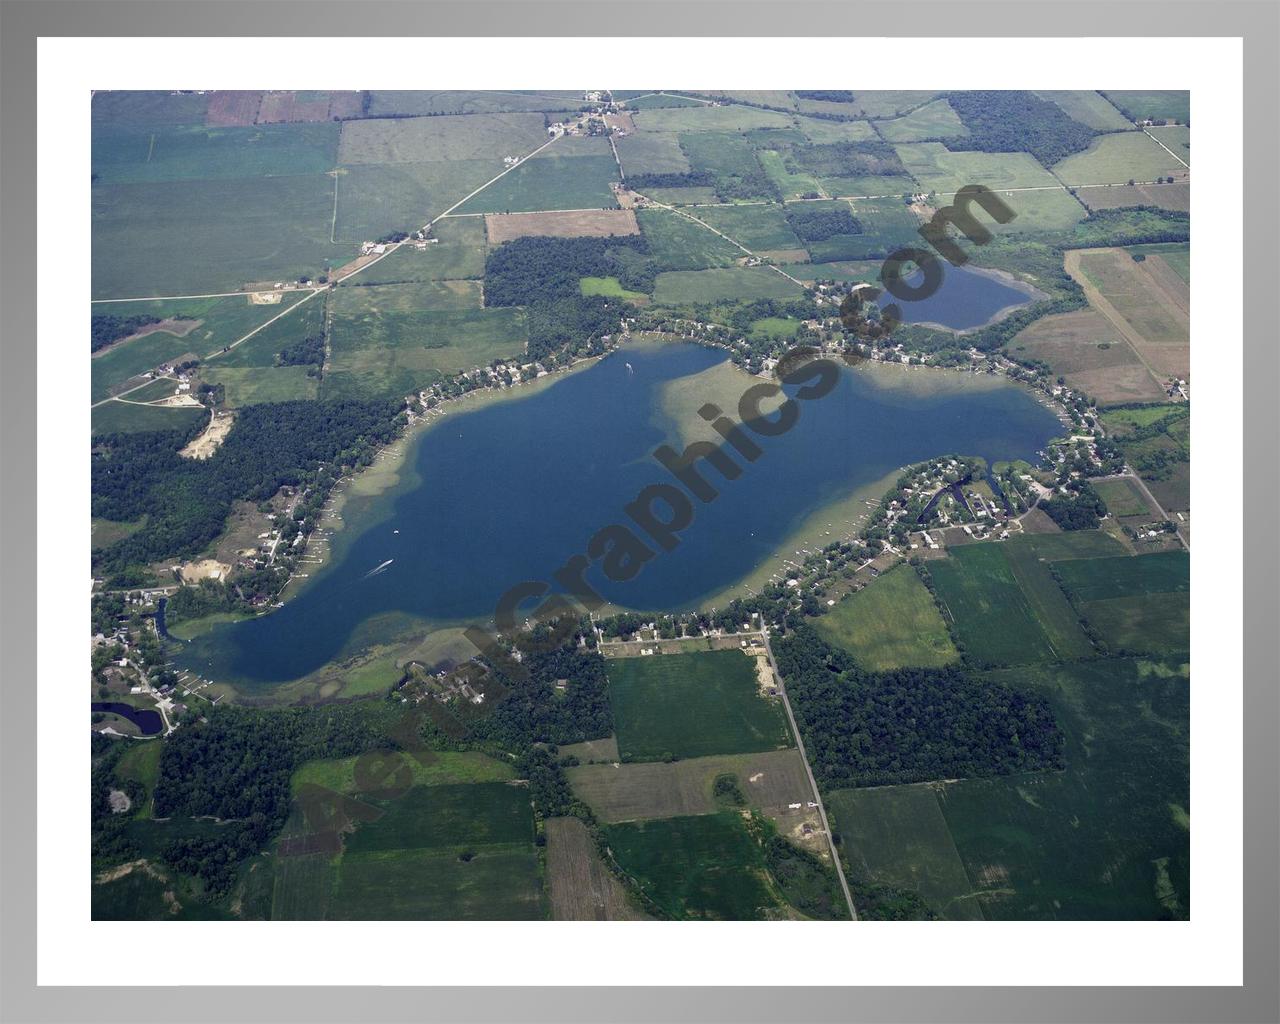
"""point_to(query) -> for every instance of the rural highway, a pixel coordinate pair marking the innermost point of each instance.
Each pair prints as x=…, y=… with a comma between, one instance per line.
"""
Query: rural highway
x=822, y=811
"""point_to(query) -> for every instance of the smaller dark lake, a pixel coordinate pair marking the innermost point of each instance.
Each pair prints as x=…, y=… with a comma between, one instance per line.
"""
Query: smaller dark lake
x=149, y=722
x=966, y=299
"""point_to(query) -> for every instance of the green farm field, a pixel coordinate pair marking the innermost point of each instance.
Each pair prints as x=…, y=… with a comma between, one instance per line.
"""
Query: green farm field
x=643, y=791
x=127, y=155
x=652, y=153
x=550, y=182
x=266, y=344
x=891, y=623
x=886, y=225
x=198, y=237
x=148, y=109
x=792, y=184
x=128, y=418
x=608, y=286
x=1088, y=107
x=377, y=354
x=755, y=227
x=734, y=284
x=458, y=255
x=1048, y=210
x=728, y=157
x=1115, y=159
x=677, y=243
x=448, y=815
x=425, y=768
x=1122, y=498
x=706, y=118
x=1121, y=807
x=1159, y=104
x=820, y=131
x=496, y=884
x=1098, y=579
x=375, y=199
x=419, y=139
x=222, y=321
x=692, y=705
x=995, y=620
x=934, y=120
x=1177, y=138
x=1027, y=561
x=252, y=385
x=896, y=836
x=409, y=103
x=937, y=169
x=996, y=849
x=705, y=867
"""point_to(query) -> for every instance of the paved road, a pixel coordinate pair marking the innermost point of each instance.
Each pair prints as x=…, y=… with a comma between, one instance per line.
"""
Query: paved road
x=822, y=811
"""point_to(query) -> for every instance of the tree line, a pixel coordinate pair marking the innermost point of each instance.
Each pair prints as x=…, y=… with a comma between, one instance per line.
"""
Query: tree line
x=107, y=329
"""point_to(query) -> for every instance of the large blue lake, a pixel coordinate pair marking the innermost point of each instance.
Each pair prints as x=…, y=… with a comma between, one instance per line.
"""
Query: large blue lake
x=508, y=491
x=966, y=298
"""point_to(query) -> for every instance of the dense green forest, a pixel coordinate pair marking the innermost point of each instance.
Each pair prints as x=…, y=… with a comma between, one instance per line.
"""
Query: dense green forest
x=186, y=501
x=537, y=268
x=577, y=321
x=535, y=712
x=1011, y=121
x=108, y=329
x=816, y=224
x=304, y=352
x=1080, y=509
x=909, y=725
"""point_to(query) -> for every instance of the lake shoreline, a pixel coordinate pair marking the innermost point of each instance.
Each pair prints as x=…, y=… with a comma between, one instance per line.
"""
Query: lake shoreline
x=836, y=518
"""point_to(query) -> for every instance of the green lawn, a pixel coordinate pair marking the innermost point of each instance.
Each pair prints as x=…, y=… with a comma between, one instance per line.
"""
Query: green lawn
x=703, y=867
x=892, y=623
x=609, y=286
x=692, y=705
